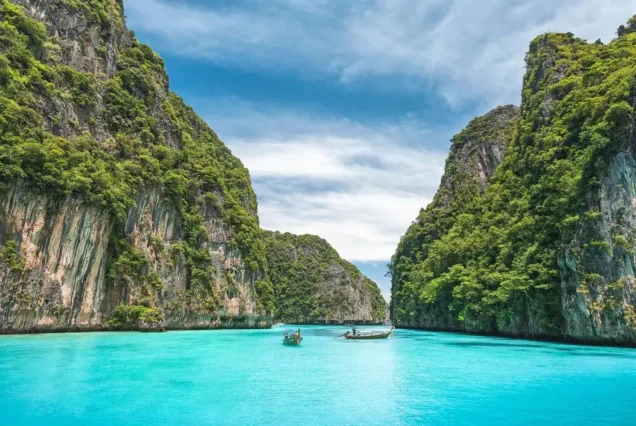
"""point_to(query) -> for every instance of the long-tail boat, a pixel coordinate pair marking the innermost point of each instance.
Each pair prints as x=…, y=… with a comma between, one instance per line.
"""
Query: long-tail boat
x=292, y=338
x=367, y=336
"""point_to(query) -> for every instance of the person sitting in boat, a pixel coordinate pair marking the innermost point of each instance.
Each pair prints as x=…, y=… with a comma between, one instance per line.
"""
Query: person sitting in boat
x=354, y=331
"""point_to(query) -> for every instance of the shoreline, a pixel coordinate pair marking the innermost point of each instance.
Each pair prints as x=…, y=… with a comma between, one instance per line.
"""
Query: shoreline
x=75, y=330
x=542, y=338
x=538, y=338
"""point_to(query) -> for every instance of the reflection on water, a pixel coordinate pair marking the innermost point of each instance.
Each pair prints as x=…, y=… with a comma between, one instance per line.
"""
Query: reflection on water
x=492, y=344
x=546, y=347
x=593, y=353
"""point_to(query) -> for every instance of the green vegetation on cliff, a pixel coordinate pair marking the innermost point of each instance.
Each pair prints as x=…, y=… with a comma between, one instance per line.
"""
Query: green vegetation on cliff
x=490, y=262
x=127, y=133
x=484, y=137
x=313, y=284
x=135, y=316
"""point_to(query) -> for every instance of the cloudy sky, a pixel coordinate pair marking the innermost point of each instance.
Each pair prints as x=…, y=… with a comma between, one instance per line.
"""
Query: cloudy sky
x=343, y=109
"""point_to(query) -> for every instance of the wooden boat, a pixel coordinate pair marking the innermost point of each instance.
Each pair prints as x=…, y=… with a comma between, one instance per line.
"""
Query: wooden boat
x=292, y=338
x=368, y=336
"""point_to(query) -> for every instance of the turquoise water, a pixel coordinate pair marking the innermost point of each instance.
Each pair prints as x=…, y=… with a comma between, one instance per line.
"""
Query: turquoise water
x=250, y=378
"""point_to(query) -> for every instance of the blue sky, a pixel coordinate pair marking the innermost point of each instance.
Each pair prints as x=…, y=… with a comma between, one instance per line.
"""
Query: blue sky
x=343, y=110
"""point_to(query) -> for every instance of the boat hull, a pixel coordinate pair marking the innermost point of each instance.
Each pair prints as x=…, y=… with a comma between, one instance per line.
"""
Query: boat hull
x=368, y=336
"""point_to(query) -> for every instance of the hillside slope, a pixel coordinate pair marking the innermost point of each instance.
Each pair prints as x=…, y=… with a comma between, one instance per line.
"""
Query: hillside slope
x=312, y=284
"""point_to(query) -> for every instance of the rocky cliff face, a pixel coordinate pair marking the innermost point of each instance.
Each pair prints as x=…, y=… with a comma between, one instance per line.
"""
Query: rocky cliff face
x=547, y=248
x=474, y=156
x=113, y=191
x=312, y=284
x=597, y=266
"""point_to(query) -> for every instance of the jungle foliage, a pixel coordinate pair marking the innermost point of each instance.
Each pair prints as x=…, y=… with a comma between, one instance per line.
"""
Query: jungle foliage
x=298, y=266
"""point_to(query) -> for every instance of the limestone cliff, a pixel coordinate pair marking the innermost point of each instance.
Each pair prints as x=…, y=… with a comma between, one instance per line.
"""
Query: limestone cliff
x=119, y=206
x=546, y=250
x=474, y=156
x=314, y=285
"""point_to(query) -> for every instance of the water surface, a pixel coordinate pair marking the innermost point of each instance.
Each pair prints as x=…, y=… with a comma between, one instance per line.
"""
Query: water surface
x=248, y=377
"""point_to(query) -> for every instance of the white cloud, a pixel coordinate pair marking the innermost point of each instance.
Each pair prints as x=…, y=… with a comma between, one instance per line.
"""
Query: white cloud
x=362, y=224
x=471, y=50
x=357, y=186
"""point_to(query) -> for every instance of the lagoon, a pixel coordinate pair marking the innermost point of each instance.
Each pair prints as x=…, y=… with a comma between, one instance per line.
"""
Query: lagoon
x=247, y=377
